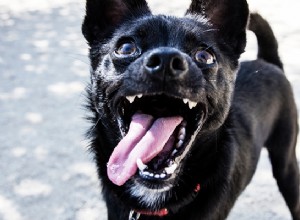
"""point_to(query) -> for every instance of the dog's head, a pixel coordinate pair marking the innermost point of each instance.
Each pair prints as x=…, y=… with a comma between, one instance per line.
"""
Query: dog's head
x=159, y=85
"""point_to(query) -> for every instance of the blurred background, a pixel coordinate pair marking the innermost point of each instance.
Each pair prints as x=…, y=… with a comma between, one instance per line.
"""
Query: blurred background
x=46, y=171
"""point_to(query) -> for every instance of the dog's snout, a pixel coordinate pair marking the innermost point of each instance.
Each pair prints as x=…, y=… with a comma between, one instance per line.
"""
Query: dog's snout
x=166, y=62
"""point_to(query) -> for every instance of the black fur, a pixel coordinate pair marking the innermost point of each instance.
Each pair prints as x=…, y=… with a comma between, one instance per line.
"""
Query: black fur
x=242, y=107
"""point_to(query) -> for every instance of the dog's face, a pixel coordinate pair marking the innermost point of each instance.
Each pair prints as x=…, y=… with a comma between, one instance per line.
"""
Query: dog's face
x=159, y=85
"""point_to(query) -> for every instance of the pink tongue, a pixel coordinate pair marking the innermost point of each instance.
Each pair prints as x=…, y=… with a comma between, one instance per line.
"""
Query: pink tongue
x=146, y=138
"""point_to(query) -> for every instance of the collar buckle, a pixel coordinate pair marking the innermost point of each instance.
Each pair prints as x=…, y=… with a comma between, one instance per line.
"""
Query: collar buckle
x=134, y=215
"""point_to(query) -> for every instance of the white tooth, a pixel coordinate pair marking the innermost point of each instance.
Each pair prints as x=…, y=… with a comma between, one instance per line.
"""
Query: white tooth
x=140, y=96
x=179, y=144
x=185, y=101
x=151, y=174
x=170, y=162
x=192, y=104
x=182, y=131
x=174, y=152
x=163, y=175
x=131, y=98
x=141, y=165
x=146, y=173
x=171, y=169
x=181, y=137
x=157, y=176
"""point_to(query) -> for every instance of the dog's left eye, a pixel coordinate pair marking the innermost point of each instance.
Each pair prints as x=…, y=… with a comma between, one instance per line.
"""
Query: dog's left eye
x=126, y=49
x=203, y=56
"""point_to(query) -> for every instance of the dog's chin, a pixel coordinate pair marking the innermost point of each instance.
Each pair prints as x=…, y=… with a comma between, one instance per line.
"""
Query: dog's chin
x=154, y=182
x=151, y=197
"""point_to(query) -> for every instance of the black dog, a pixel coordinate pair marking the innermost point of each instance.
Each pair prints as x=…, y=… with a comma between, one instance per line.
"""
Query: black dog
x=177, y=129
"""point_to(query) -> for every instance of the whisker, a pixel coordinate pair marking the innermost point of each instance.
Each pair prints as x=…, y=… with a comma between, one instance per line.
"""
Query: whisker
x=78, y=57
x=210, y=30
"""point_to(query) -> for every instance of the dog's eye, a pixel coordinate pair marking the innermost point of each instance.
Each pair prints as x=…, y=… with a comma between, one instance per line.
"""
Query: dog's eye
x=125, y=49
x=204, y=57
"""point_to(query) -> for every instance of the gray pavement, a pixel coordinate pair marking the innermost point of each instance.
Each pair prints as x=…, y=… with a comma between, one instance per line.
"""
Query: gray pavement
x=46, y=170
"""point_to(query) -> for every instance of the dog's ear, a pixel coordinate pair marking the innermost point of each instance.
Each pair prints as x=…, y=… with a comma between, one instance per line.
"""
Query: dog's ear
x=103, y=16
x=229, y=17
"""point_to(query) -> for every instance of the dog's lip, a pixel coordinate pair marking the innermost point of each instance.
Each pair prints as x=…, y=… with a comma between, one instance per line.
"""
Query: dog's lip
x=191, y=104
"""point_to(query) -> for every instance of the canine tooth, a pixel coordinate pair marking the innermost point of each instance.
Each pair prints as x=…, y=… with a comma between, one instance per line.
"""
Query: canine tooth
x=174, y=152
x=140, y=96
x=141, y=165
x=185, y=101
x=171, y=169
x=131, y=98
x=179, y=143
x=192, y=104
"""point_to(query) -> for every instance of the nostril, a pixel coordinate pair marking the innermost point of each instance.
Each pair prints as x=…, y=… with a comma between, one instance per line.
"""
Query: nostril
x=166, y=61
x=178, y=64
x=154, y=62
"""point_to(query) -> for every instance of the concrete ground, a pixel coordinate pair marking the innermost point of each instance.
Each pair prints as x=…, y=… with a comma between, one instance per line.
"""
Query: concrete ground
x=46, y=172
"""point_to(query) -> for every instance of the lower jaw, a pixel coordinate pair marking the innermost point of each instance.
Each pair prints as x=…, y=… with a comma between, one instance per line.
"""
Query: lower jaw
x=156, y=202
x=159, y=183
x=149, y=198
x=152, y=196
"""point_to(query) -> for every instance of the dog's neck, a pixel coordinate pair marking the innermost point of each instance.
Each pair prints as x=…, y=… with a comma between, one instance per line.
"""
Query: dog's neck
x=135, y=214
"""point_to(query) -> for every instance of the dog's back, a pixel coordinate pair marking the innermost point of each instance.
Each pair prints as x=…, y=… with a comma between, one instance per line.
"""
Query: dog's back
x=270, y=96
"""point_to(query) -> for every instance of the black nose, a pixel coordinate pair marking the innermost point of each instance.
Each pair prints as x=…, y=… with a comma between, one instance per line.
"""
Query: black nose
x=166, y=61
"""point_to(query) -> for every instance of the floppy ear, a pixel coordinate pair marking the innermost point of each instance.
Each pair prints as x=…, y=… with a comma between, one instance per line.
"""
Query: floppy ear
x=229, y=17
x=103, y=16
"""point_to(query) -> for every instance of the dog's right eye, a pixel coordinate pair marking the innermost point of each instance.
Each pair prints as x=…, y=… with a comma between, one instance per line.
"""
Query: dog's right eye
x=203, y=56
x=126, y=49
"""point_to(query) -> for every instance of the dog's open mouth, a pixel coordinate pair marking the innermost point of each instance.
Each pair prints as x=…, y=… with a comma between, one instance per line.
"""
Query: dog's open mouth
x=158, y=132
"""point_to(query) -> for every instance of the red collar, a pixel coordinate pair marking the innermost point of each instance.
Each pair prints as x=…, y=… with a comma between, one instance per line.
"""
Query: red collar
x=161, y=212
